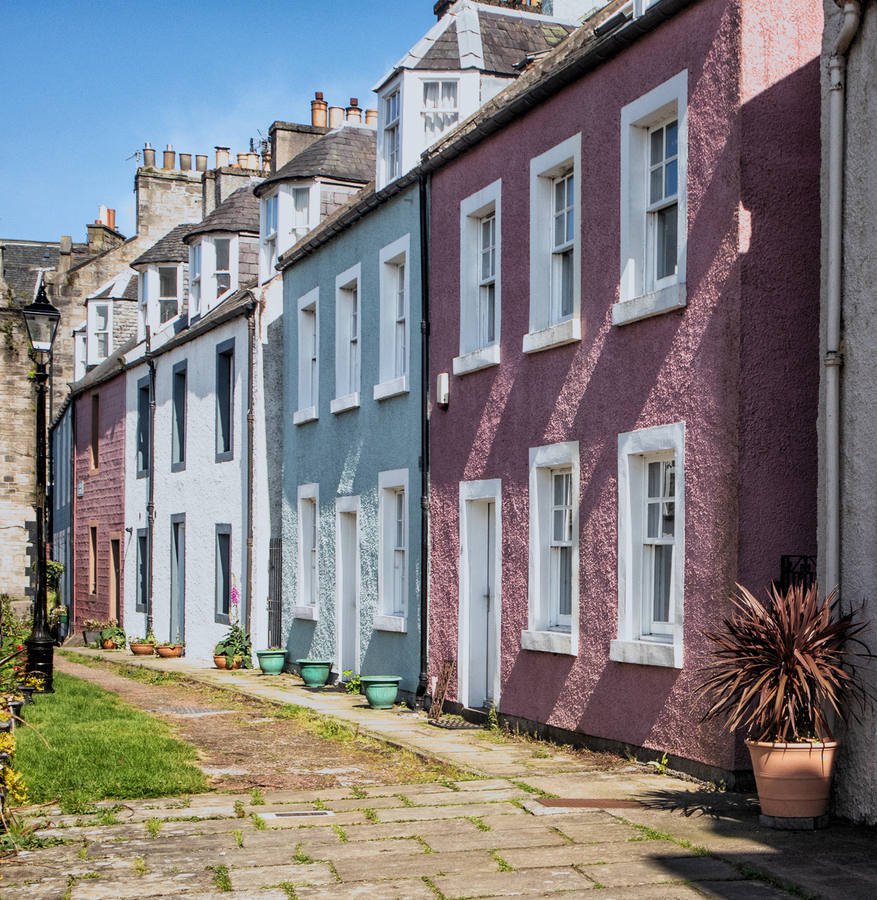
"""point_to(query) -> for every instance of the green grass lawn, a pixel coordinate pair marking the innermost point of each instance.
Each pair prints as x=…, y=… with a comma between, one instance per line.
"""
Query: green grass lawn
x=99, y=749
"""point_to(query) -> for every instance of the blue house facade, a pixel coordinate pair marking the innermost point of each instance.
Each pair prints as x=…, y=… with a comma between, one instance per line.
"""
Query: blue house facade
x=352, y=443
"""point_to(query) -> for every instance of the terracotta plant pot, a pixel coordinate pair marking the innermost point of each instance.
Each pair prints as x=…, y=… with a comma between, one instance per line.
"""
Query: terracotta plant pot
x=169, y=652
x=221, y=663
x=794, y=780
x=143, y=649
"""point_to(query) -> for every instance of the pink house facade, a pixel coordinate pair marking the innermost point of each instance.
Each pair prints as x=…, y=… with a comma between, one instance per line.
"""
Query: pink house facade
x=100, y=540
x=624, y=282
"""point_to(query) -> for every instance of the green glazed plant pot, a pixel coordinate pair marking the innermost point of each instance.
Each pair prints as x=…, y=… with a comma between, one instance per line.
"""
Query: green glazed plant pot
x=271, y=661
x=315, y=672
x=380, y=690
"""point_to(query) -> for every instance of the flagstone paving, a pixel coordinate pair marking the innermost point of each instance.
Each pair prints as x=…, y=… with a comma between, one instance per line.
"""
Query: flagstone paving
x=463, y=839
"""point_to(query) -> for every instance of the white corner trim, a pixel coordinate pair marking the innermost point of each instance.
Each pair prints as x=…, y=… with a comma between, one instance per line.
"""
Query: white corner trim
x=646, y=653
x=477, y=359
x=342, y=404
x=305, y=612
x=392, y=388
x=648, y=305
x=398, y=624
x=566, y=332
x=550, y=642
x=305, y=415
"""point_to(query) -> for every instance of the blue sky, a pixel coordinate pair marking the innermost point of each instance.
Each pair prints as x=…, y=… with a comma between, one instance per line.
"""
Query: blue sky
x=88, y=82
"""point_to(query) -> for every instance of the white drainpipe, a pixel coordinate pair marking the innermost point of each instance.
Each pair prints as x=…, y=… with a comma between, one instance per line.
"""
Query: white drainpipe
x=837, y=94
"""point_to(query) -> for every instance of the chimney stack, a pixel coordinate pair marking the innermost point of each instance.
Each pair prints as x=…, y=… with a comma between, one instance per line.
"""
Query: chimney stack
x=101, y=216
x=169, y=157
x=185, y=161
x=319, y=110
x=371, y=117
x=201, y=162
x=221, y=157
x=354, y=113
x=336, y=116
x=111, y=219
x=148, y=156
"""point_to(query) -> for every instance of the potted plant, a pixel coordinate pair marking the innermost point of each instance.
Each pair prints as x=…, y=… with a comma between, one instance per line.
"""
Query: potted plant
x=112, y=637
x=91, y=631
x=169, y=649
x=380, y=690
x=233, y=651
x=271, y=660
x=783, y=667
x=314, y=672
x=143, y=646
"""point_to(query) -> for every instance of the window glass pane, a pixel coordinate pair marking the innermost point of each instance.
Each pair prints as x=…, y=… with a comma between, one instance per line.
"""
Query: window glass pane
x=666, y=241
x=102, y=345
x=656, y=184
x=430, y=94
x=566, y=283
x=672, y=139
x=167, y=281
x=222, y=254
x=657, y=146
x=672, y=178
x=663, y=569
x=488, y=300
x=101, y=315
x=564, y=580
x=449, y=94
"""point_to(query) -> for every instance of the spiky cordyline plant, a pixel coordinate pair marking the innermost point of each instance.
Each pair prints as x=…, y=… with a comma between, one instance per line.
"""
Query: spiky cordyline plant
x=782, y=665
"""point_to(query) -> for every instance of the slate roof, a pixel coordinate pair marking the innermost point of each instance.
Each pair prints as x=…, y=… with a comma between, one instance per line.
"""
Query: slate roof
x=111, y=367
x=122, y=287
x=506, y=40
x=21, y=260
x=169, y=249
x=239, y=212
x=347, y=153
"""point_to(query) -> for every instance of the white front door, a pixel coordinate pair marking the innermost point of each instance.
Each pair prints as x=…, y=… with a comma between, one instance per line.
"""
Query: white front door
x=480, y=597
x=347, y=574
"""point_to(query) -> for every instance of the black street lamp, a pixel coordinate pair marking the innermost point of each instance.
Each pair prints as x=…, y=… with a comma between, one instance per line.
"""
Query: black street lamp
x=41, y=321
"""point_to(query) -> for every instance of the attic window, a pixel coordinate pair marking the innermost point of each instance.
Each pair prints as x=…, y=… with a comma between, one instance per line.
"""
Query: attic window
x=167, y=292
x=440, y=109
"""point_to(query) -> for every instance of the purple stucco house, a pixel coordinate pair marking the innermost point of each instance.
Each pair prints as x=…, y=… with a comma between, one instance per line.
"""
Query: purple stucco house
x=624, y=283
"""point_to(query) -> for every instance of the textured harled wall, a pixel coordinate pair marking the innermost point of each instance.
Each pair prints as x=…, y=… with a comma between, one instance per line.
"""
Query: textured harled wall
x=856, y=778
x=344, y=453
x=736, y=366
x=207, y=492
x=103, y=497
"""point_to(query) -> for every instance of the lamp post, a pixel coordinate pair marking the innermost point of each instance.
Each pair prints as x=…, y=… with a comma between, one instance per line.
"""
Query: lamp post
x=41, y=321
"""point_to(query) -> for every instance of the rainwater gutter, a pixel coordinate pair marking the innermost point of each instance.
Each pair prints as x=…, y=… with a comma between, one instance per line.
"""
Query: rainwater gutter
x=852, y=12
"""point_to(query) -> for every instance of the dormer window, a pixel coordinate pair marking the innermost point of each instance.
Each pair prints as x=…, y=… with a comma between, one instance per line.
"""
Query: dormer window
x=269, y=235
x=168, y=293
x=392, y=136
x=213, y=269
x=300, y=212
x=99, y=330
x=440, y=109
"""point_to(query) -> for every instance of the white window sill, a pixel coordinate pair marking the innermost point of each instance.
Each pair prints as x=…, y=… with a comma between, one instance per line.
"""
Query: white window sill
x=549, y=642
x=305, y=415
x=553, y=336
x=342, y=404
x=399, y=624
x=648, y=305
x=478, y=359
x=392, y=388
x=646, y=653
x=305, y=612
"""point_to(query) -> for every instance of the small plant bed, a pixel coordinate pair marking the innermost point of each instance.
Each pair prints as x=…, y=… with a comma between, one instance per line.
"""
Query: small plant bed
x=267, y=746
x=100, y=748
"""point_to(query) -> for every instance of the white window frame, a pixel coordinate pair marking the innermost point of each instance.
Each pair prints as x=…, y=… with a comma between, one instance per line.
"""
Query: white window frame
x=475, y=352
x=308, y=526
x=308, y=358
x=392, y=612
x=640, y=295
x=148, y=292
x=348, y=339
x=451, y=112
x=195, y=302
x=547, y=631
x=269, y=230
x=393, y=381
x=547, y=328
x=633, y=644
x=204, y=291
x=391, y=135
x=92, y=343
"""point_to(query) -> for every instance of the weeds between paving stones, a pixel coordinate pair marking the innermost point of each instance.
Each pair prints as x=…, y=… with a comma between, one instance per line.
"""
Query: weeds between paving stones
x=239, y=809
x=342, y=834
x=359, y=793
x=370, y=814
x=300, y=856
x=258, y=822
x=502, y=865
x=139, y=865
x=422, y=842
x=239, y=837
x=220, y=877
x=153, y=826
x=289, y=888
x=537, y=792
x=481, y=826
x=406, y=800
x=258, y=798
